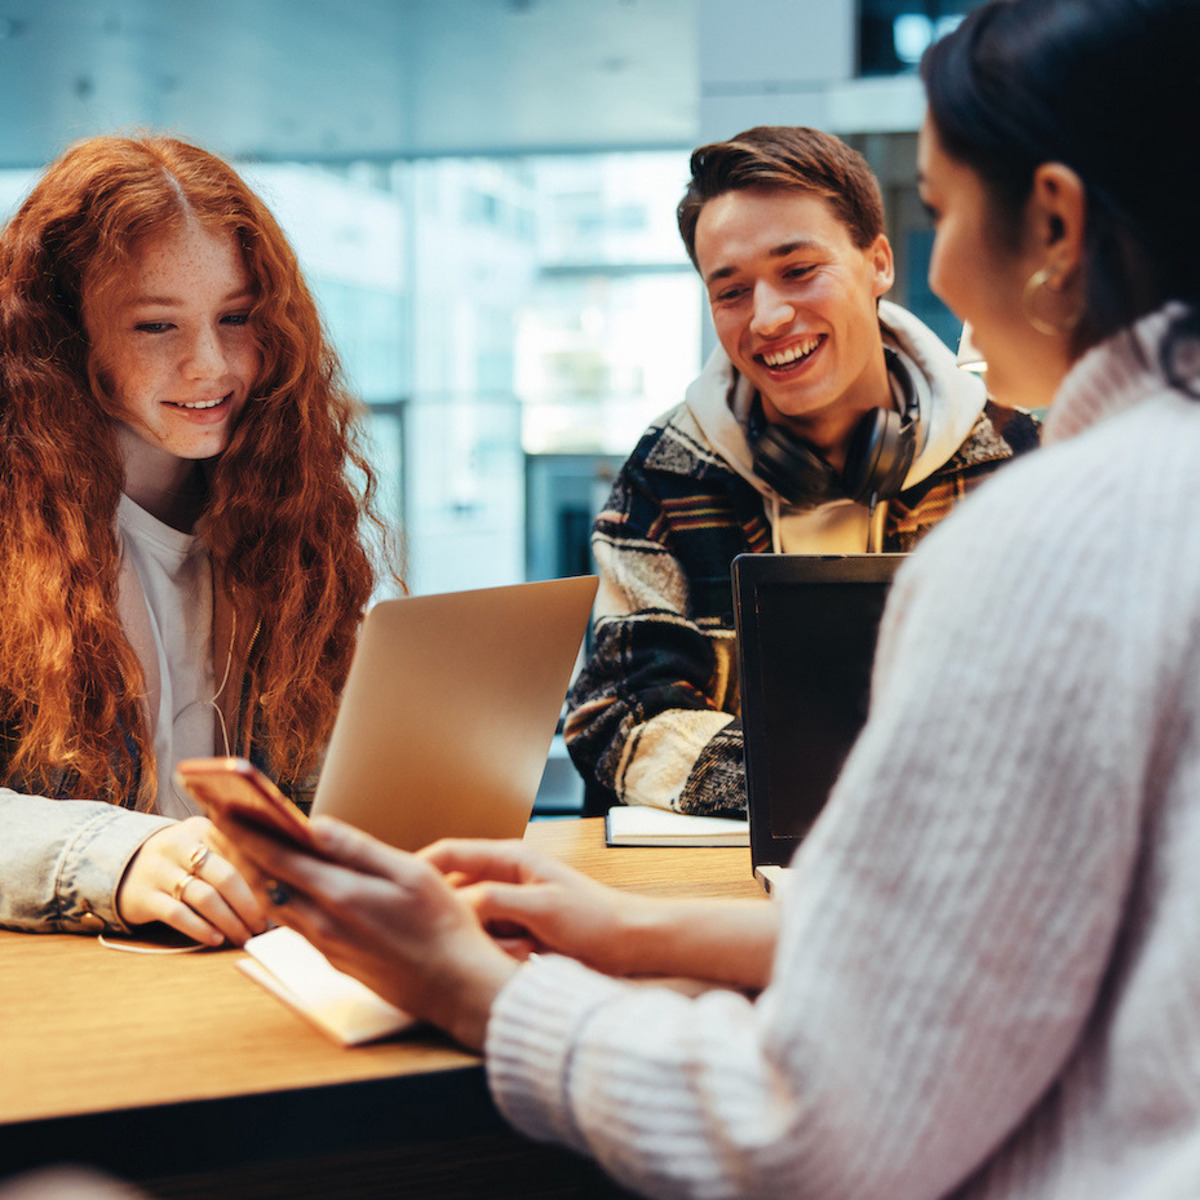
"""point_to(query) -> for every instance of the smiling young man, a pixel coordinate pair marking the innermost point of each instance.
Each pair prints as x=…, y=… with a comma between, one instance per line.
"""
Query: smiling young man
x=829, y=421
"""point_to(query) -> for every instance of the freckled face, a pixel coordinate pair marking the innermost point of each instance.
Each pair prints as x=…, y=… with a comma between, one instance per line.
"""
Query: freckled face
x=180, y=356
x=793, y=301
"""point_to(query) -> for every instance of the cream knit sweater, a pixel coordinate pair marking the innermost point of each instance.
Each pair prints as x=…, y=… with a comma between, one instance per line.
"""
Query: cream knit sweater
x=988, y=976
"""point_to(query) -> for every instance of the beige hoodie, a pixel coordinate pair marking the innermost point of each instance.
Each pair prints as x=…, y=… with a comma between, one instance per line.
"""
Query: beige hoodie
x=949, y=402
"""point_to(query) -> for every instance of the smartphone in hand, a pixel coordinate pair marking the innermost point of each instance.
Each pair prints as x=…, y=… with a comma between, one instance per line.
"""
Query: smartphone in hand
x=236, y=787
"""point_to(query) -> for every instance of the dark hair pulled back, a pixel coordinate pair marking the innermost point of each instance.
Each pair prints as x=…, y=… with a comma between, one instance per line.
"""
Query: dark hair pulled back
x=1111, y=89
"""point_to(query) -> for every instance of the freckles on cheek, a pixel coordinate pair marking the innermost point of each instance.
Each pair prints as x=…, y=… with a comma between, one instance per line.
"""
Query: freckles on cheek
x=127, y=385
x=253, y=367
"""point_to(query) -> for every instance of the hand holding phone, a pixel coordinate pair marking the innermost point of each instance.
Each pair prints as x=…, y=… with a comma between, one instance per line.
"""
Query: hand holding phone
x=236, y=787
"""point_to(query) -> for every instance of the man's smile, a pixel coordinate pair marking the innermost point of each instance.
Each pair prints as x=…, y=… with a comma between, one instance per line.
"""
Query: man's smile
x=777, y=359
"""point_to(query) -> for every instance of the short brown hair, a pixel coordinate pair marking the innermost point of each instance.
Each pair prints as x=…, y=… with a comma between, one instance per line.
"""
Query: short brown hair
x=791, y=157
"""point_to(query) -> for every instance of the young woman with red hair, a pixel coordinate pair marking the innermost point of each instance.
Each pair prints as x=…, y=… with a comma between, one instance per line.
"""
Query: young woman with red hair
x=182, y=534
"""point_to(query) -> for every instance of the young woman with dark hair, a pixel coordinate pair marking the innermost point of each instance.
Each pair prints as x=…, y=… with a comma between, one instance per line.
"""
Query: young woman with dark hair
x=983, y=979
x=183, y=532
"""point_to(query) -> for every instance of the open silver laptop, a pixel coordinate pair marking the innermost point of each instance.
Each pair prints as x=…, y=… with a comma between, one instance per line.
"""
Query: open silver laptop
x=449, y=710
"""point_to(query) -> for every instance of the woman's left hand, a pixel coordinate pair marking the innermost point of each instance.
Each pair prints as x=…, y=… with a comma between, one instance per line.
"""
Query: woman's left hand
x=386, y=917
x=179, y=877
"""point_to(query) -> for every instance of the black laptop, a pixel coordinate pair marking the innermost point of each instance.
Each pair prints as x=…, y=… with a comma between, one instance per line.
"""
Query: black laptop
x=807, y=627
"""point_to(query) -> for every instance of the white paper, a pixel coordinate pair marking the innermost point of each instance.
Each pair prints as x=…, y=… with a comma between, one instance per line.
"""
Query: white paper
x=296, y=972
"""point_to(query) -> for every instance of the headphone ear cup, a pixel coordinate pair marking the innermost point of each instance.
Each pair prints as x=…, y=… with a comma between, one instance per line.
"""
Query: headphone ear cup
x=879, y=455
x=797, y=472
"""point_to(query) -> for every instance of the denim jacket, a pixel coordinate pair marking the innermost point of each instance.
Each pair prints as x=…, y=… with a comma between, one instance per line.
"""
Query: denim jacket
x=61, y=861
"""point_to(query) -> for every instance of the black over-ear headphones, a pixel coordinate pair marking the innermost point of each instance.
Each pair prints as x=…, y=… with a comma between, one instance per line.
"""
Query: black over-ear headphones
x=881, y=450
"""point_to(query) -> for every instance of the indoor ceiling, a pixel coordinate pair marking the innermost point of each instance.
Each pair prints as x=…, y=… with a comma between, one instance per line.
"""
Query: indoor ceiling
x=343, y=79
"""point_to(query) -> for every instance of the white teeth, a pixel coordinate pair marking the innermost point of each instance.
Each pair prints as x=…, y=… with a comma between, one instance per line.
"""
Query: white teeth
x=784, y=357
x=203, y=403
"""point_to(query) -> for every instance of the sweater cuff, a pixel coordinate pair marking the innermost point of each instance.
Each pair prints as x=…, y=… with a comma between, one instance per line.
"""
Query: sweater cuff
x=536, y=1024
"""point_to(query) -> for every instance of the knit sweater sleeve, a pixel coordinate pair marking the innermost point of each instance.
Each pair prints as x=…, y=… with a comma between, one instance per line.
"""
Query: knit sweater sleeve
x=952, y=914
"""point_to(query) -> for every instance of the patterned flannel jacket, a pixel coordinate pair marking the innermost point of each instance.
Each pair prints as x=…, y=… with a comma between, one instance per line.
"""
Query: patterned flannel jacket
x=657, y=700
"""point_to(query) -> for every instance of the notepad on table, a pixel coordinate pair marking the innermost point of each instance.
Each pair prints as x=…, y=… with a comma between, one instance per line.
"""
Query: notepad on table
x=293, y=970
x=641, y=826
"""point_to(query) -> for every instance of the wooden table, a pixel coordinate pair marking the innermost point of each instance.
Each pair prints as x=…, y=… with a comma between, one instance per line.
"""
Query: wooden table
x=181, y=1073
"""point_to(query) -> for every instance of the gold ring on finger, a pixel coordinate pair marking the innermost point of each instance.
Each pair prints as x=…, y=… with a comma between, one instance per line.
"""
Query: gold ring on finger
x=181, y=885
x=198, y=859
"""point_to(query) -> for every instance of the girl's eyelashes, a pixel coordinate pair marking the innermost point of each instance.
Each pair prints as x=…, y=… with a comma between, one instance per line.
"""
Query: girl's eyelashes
x=235, y=319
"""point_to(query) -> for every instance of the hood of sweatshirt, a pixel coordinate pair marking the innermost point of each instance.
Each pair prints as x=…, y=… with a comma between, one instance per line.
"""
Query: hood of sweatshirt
x=949, y=400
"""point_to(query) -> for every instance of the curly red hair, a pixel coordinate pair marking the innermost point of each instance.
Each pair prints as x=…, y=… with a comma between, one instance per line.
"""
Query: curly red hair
x=288, y=511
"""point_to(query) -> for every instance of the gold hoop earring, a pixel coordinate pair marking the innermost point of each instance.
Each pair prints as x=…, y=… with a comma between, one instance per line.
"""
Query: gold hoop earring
x=1033, y=285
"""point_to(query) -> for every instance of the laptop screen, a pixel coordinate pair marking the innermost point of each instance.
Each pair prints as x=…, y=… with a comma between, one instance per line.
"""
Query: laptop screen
x=807, y=627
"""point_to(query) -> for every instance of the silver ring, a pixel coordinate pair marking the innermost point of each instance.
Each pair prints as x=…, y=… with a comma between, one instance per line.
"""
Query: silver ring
x=181, y=885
